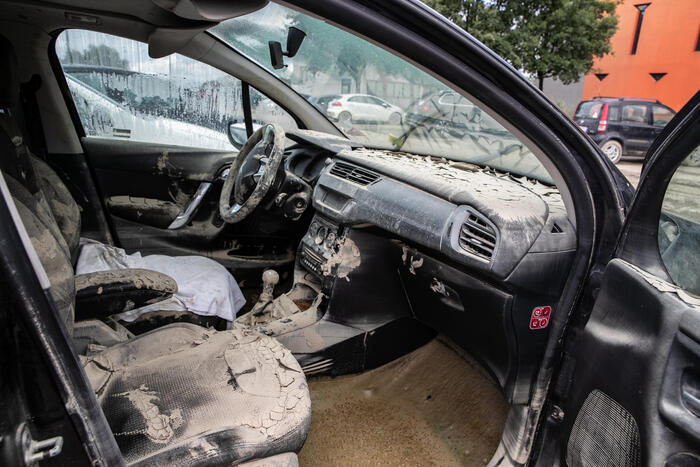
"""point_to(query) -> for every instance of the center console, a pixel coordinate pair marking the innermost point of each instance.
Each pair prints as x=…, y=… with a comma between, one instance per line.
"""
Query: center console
x=318, y=247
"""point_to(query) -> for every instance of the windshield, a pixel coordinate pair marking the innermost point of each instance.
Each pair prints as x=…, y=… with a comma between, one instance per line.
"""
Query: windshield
x=376, y=98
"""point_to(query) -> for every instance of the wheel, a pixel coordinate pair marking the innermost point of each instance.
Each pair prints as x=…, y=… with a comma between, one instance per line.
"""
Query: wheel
x=613, y=150
x=395, y=118
x=344, y=117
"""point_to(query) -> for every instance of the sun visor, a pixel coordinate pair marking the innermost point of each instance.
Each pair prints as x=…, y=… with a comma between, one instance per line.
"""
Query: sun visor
x=210, y=10
x=165, y=41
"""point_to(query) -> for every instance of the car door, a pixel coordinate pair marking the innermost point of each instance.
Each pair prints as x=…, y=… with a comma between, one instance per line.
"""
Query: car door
x=357, y=107
x=380, y=109
x=157, y=146
x=628, y=392
x=635, y=127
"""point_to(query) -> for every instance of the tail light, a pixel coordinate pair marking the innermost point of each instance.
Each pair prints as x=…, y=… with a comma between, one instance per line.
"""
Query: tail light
x=336, y=104
x=603, y=122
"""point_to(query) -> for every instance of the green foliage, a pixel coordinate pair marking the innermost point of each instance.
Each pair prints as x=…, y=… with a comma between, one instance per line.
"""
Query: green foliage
x=544, y=38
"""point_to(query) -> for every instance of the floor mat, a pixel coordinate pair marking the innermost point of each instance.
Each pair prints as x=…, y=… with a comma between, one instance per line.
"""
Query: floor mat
x=434, y=406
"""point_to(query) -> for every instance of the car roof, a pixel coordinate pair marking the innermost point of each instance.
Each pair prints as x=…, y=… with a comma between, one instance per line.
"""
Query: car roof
x=644, y=100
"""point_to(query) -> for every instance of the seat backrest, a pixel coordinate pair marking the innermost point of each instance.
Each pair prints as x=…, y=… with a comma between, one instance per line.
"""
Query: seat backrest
x=23, y=166
x=51, y=253
x=63, y=207
x=35, y=211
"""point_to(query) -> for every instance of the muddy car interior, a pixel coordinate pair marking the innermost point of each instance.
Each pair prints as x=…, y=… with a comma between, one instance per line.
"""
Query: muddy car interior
x=316, y=294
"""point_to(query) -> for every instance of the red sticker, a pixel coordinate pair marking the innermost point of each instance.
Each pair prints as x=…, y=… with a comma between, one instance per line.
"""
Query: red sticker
x=540, y=317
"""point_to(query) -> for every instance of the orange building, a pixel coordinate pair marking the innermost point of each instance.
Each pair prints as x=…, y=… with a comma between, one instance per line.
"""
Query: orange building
x=655, y=53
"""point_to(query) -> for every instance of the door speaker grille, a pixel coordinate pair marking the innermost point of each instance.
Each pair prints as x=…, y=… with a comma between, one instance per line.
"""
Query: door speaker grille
x=604, y=435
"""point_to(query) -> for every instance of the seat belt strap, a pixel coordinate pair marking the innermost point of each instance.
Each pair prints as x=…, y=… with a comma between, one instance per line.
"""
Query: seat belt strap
x=32, y=116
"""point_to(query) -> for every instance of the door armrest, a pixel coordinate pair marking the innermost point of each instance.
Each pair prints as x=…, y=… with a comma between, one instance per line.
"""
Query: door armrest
x=104, y=293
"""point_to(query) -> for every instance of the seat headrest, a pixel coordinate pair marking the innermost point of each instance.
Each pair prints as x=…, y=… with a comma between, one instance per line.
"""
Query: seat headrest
x=9, y=79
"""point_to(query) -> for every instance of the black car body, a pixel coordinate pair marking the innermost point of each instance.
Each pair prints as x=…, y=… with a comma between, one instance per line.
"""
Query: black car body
x=623, y=126
x=564, y=302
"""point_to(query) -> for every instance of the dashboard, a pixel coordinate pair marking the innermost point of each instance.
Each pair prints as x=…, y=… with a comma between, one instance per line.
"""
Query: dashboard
x=477, y=252
x=478, y=217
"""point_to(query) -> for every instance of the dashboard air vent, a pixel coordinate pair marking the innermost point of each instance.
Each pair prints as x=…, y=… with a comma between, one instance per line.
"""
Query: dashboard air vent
x=353, y=173
x=477, y=237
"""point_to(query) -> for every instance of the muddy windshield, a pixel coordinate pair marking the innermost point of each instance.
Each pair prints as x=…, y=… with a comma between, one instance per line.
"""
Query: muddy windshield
x=374, y=97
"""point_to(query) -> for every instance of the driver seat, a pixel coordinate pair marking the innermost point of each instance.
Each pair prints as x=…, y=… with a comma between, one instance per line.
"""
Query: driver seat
x=205, y=287
x=182, y=394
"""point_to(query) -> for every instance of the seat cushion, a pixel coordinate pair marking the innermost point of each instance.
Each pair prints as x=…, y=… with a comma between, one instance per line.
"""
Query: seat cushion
x=185, y=395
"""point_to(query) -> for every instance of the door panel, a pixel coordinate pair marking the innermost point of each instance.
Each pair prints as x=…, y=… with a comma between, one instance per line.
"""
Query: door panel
x=145, y=186
x=626, y=353
x=628, y=389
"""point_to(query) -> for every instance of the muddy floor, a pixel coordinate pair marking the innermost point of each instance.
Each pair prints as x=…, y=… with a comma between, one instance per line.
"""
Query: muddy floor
x=434, y=406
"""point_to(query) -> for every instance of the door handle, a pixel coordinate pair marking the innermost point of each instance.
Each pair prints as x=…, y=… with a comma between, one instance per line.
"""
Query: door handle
x=191, y=208
x=690, y=394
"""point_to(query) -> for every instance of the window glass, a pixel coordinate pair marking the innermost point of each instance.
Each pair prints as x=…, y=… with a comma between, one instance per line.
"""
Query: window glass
x=356, y=99
x=679, y=225
x=589, y=109
x=634, y=113
x=613, y=113
x=662, y=115
x=332, y=61
x=120, y=92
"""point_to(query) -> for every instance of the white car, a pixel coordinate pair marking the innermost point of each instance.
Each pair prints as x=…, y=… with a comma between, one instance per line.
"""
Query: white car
x=363, y=107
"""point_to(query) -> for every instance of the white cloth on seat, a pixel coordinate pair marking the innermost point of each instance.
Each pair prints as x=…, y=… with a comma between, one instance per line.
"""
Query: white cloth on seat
x=205, y=287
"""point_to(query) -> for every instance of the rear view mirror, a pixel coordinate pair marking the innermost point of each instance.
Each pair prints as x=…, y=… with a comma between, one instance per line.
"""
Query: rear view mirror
x=295, y=37
x=237, y=134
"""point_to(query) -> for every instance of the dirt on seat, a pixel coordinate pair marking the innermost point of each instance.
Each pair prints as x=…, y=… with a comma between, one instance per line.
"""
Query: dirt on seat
x=435, y=406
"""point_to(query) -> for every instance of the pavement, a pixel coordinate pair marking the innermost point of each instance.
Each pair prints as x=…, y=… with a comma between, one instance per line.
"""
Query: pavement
x=631, y=170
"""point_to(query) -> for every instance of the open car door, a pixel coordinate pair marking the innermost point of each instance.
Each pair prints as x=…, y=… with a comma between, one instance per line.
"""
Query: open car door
x=628, y=391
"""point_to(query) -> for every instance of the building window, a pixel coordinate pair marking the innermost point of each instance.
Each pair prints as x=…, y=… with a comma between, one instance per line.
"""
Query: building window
x=345, y=85
x=638, y=29
x=697, y=44
x=601, y=76
x=657, y=76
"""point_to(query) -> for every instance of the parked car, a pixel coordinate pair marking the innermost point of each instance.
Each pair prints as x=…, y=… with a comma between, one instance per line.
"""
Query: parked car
x=454, y=295
x=449, y=111
x=362, y=108
x=623, y=125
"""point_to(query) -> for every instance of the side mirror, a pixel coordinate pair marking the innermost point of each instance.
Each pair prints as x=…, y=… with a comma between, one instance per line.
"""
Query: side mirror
x=237, y=134
x=295, y=37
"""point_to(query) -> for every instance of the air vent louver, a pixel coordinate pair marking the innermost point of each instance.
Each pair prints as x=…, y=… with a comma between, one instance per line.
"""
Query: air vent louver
x=477, y=237
x=353, y=173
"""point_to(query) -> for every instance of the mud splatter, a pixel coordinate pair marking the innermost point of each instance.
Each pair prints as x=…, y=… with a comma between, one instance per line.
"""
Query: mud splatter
x=159, y=426
x=345, y=260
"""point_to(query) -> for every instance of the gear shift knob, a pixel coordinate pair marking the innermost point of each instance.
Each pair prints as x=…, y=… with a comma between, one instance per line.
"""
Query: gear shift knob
x=270, y=277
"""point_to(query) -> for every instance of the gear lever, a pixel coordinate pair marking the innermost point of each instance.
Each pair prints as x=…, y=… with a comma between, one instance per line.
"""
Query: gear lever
x=270, y=279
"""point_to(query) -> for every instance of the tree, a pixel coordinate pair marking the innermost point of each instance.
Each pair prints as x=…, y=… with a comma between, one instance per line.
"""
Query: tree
x=103, y=55
x=544, y=38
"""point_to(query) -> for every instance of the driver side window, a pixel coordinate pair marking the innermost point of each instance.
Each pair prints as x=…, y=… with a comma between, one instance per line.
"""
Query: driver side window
x=679, y=225
x=122, y=93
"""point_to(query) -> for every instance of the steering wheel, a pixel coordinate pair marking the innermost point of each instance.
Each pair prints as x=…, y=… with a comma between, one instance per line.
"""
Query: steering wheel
x=253, y=173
